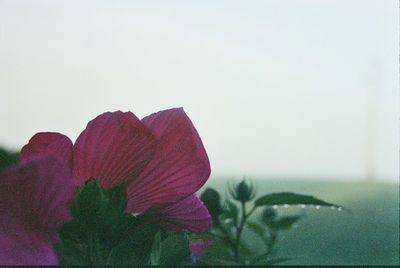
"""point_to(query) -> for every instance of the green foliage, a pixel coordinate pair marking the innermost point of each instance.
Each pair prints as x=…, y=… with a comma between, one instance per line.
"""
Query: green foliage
x=283, y=223
x=174, y=249
x=290, y=199
x=100, y=232
x=8, y=158
x=229, y=248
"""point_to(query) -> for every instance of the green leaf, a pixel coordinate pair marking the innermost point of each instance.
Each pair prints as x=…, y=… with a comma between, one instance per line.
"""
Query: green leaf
x=290, y=199
x=8, y=158
x=174, y=249
x=219, y=250
x=101, y=233
x=134, y=242
x=284, y=222
x=156, y=250
x=256, y=228
x=118, y=197
x=69, y=247
x=90, y=203
x=232, y=211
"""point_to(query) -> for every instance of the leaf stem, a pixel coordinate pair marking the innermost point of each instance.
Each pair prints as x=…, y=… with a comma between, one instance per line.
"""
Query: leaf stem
x=251, y=211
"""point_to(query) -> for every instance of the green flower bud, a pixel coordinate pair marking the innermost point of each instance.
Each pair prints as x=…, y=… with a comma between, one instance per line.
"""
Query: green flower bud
x=243, y=192
x=268, y=215
x=211, y=200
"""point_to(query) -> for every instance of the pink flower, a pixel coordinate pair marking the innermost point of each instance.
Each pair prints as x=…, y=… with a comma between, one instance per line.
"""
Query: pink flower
x=199, y=247
x=161, y=158
x=33, y=205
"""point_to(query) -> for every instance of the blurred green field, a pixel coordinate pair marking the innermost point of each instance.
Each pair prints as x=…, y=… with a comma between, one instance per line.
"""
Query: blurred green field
x=366, y=234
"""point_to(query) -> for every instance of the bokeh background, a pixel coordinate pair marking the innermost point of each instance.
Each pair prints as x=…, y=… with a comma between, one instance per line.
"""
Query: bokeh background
x=286, y=92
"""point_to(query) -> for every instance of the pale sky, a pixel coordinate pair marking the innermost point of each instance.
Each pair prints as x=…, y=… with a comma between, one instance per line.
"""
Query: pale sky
x=275, y=88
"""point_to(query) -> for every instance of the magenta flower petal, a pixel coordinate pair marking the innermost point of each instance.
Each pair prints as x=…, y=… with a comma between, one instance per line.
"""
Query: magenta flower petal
x=48, y=144
x=189, y=214
x=21, y=246
x=114, y=147
x=199, y=247
x=34, y=200
x=179, y=167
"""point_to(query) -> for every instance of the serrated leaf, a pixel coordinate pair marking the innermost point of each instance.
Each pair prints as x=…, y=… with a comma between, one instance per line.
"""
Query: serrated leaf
x=174, y=249
x=284, y=222
x=256, y=228
x=290, y=199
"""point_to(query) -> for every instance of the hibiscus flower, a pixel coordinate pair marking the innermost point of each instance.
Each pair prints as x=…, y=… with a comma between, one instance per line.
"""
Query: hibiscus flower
x=33, y=205
x=161, y=158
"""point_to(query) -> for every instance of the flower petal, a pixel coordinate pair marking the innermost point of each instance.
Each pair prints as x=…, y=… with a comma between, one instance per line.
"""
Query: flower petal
x=180, y=165
x=21, y=246
x=113, y=148
x=34, y=199
x=48, y=144
x=198, y=247
x=189, y=214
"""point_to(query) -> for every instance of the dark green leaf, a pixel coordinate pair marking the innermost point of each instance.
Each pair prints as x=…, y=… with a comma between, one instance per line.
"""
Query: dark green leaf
x=232, y=211
x=256, y=228
x=156, y=250
x=101, y=233
x=174, y=249
x=90, y=203
x=134, y=242
x=8, y=158
x=268, y=214
x=219, y=250
x=118, y=197
x=290, y=199
x=284, y=222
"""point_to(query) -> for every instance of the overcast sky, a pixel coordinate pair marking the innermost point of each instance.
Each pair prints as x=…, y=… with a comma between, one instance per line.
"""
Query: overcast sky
x=275, y=88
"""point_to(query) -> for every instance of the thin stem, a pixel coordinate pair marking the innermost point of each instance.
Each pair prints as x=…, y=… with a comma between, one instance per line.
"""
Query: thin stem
x=239, y=232
x=251, y=211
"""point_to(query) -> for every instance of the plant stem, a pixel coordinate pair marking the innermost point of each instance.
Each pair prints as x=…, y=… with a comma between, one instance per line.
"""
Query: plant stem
x=251, y=211
x=239, y=232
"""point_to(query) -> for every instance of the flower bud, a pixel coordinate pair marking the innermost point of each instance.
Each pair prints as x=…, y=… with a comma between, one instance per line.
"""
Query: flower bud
x=268, y=215
x=211, y=200
x=243, y=192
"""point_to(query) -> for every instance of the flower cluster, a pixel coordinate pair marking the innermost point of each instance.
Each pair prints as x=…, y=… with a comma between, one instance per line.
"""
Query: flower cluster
x=160, y=158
